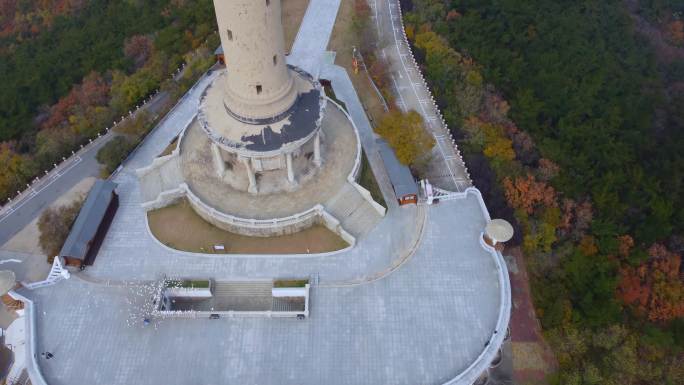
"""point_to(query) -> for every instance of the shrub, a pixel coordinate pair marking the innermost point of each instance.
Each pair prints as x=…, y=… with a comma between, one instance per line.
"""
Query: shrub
x=113, y=153
x=54, y=225
x=406, y=135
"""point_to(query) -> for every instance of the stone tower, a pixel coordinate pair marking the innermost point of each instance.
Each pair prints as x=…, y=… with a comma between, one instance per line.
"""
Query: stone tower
x=268, y=153
x=263, y=116
x=258, y=84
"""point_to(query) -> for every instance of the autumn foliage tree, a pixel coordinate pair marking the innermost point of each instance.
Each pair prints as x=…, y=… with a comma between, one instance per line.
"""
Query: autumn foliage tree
x=362, y=27
x=92, y=92
x=548, y=169
x=26, y=19
x=138, y=49
x=406, y=134
x=491, y=139
x=654, y=289
x=527, y=193
x=675, y=31
x=14, y=169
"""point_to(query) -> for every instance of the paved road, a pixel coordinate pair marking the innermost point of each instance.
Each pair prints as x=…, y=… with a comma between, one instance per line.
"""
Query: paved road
x=30, y=207
x=50, y=189
x=448, y=170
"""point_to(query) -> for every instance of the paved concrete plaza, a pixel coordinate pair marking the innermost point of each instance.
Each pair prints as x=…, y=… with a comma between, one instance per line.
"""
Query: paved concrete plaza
x=422, y=324
x=418, y=300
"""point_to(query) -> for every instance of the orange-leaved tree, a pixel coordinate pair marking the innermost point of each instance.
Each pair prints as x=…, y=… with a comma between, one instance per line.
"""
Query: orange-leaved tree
x=654, y=288
x=527, y=193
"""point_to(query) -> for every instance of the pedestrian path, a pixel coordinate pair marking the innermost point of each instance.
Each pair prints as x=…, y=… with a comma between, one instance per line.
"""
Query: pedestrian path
x=344, y=91
x=354, y=212
x=314, y=33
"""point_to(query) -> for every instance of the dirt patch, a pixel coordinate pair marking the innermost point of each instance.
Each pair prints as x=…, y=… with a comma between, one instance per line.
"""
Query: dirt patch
x=528, y=362
x=342, y=40
x=26, y=240
x=293, y=13
x=179, y=227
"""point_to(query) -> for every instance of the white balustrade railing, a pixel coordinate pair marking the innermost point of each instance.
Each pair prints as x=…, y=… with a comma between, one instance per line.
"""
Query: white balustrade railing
x=430, y=95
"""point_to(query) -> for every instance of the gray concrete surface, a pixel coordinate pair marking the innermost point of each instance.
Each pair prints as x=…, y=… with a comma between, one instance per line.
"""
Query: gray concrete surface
x=424, y=323
x=314, y=33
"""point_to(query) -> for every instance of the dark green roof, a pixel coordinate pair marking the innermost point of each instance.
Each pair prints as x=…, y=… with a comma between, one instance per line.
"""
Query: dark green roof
x=399, y=174
x=89, y=218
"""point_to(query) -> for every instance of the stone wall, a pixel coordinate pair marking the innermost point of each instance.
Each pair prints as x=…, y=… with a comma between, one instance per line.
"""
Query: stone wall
x=267, y=227
x=162, y=175
x=162, y=184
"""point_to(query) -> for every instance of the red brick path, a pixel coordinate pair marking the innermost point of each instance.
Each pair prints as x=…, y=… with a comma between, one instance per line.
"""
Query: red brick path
x=525, y=328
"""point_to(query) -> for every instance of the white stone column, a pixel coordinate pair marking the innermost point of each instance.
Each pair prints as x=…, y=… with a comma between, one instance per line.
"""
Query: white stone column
x=290, y=171
x=317, y=149
x=252, y=189
x=219, y=164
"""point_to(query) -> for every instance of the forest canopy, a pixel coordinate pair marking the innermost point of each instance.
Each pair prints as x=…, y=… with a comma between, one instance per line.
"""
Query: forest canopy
x=570, y=116
x=69, y=68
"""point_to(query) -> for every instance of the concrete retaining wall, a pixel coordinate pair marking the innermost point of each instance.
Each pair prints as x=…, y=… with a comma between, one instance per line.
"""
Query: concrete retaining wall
x=301, y=292
x=185, y=292
x=356, y=170
x=32, y=367
x=164, y=199
x=278, y=292
x=267, y=227
x=162, y=184
x=162, y=175
x=229, y=314
x=368, y=197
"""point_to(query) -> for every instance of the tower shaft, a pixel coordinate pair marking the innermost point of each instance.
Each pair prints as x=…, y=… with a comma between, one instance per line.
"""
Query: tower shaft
x=258, y=84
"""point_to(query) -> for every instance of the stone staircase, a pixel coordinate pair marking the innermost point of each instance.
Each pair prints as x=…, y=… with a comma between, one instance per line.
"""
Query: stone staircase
x=161, y=176
x=243, y=289
x=287, y=304
x=356, y=215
